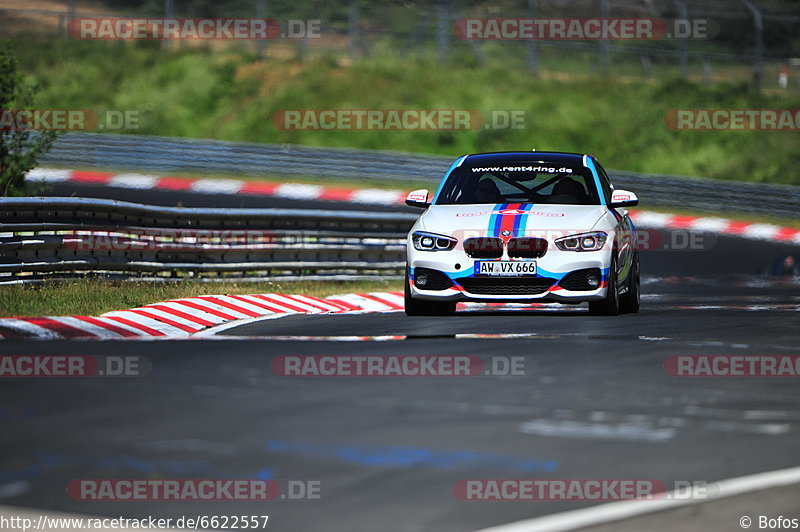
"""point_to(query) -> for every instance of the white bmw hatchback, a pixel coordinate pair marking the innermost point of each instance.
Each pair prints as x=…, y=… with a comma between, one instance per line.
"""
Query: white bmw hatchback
x=523, y=226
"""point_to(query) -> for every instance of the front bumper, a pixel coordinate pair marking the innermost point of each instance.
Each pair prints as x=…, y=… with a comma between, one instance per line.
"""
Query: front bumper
x=553, y=270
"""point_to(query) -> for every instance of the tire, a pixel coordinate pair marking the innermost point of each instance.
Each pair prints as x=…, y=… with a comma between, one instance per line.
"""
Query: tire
x=419, y=307
x=610, y=305
x=629, y=301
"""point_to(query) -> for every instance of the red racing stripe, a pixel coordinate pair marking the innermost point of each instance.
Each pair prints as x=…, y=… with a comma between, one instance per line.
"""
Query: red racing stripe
x=144, y=328
x=389, y=303
x=343, y=304
x=184, y=315
x=337, y=194
x=119, y=330
x=212, y=299
x=282, y=303
x=165, y=320
x=259, y=188
x=507, y=220
x=320, y=301
x=738, y=227
x=63, y=329
x=682, y=222
x=787, y=233
x=85, y=176
x=175, y=183
x=260, y=304
x=336, y=303
x=207, y=310
x=310, y=304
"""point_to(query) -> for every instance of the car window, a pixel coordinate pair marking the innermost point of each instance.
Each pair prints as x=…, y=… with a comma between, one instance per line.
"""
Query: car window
x=605, y=182
x=519, y=182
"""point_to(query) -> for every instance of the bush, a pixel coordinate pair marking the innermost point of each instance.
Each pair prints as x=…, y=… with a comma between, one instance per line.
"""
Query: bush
x=19, y=148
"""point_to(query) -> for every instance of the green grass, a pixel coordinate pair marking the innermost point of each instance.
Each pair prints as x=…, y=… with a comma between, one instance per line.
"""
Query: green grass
x=94, y=297
x=233, y=95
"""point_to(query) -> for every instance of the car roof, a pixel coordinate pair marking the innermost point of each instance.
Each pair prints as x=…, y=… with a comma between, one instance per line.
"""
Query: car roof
x=543, y=156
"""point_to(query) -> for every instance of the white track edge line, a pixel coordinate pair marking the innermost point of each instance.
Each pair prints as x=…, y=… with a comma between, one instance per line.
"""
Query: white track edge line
x=620, y=510
x=211, y=331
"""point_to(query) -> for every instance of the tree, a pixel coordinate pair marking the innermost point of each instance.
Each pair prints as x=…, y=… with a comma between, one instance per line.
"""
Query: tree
x=19, y=148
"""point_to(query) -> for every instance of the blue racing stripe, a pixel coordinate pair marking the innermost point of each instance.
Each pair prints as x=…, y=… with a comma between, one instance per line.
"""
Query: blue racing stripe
x=522, y=220
x=590, y=165
x=496, y=220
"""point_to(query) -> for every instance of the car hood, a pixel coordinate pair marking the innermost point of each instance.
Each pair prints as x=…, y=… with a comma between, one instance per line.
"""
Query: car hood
x=492, y=219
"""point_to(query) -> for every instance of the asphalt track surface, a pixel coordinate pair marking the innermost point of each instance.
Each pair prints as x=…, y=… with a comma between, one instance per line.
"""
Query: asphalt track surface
x=594, y=402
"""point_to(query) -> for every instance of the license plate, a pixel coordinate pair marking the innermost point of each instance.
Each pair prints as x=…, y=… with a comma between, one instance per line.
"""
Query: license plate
x=505, y=267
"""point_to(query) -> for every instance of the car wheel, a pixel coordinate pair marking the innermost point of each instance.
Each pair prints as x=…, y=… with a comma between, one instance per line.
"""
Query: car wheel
x=629, y=301
x=419, y=307
x=610, y=305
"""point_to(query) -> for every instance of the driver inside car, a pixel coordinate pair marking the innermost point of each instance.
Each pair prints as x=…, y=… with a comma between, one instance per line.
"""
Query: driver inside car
x=569, y=191
x=487, y=192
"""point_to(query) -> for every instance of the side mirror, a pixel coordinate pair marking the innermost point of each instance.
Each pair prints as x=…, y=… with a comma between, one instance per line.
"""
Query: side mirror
x=623, y=198
x=418, y=198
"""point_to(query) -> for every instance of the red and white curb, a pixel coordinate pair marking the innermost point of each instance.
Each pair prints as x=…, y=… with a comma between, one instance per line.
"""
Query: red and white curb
x=207, y=315
x=295, y=191
x=184, y=317
x=721, y=226
x=376, y=196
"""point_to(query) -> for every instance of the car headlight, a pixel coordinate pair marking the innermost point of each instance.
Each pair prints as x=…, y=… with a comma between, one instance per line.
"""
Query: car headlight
x=424, y=241
x=582, y=241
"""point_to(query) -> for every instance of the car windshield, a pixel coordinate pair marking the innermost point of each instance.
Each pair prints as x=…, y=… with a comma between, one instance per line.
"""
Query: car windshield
x=519, y=182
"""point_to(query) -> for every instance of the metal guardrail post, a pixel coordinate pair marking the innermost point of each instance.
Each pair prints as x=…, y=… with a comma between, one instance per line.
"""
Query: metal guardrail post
x=353, y=36
x=261, y=12
x=532, y=44
x=442, y=31
x=683, y=53
x=604, y=44
x=169, y=9
x=70, y=15
x=758, y=55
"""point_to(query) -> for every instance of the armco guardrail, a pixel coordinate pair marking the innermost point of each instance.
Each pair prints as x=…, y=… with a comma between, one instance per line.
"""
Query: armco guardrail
x=161, y=154
x=63, y=237
x=164, y=154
